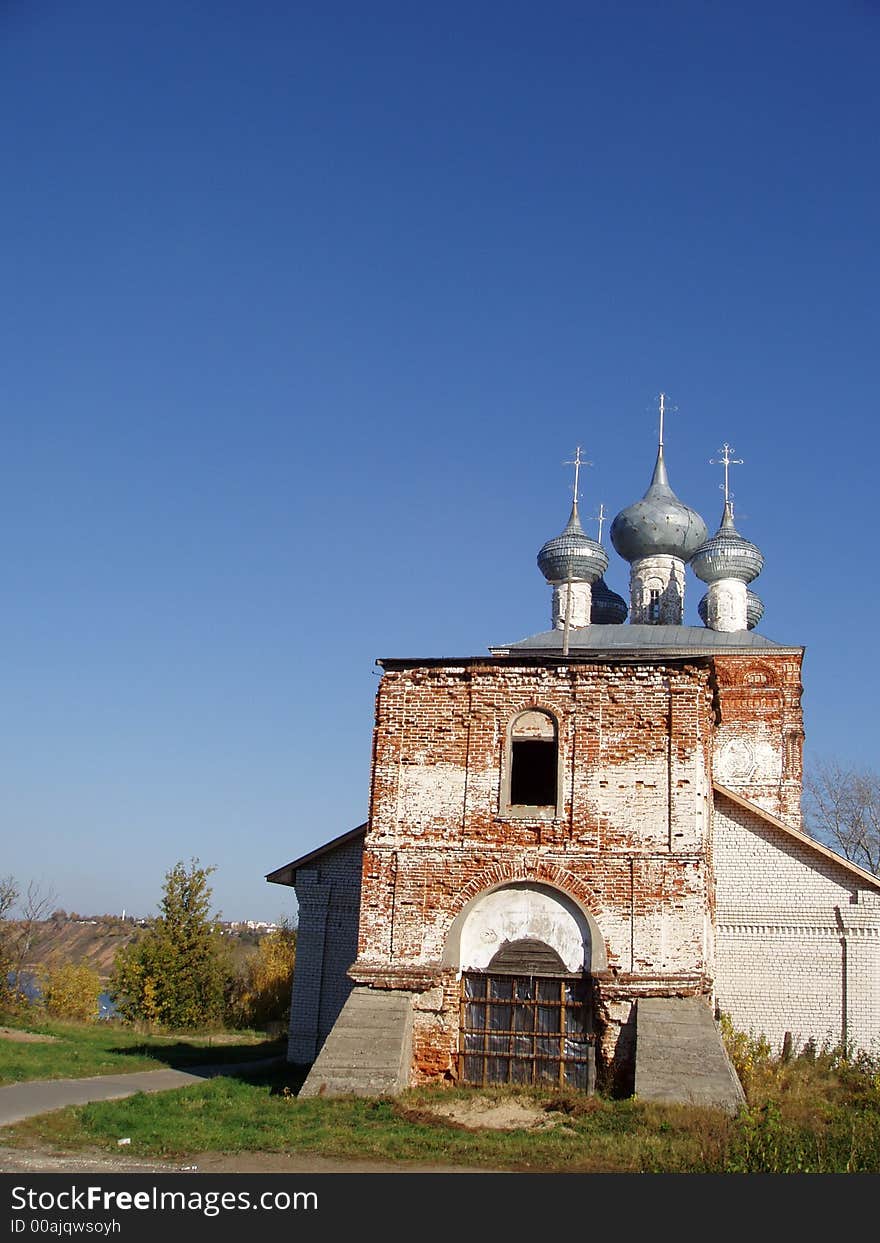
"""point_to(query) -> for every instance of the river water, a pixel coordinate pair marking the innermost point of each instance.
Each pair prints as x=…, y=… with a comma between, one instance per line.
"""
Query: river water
x=31, y=990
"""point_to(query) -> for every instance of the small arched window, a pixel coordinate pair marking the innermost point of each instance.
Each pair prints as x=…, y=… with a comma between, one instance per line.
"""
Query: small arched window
x=533, y=764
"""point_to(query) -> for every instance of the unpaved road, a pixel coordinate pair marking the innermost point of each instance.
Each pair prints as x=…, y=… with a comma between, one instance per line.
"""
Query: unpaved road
x=37, y=1161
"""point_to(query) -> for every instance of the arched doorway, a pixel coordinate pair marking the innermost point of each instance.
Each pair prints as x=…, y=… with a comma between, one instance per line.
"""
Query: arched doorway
x=526, y=1014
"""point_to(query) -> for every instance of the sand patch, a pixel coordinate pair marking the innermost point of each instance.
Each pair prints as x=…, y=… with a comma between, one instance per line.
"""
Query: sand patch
x=13, y=1033
x=516, y=1114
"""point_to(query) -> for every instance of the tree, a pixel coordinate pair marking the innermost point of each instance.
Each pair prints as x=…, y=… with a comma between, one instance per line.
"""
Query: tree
x=261, y=991
x=176, y=974
x=19, y=938
x=842, y=807
x=8, y=899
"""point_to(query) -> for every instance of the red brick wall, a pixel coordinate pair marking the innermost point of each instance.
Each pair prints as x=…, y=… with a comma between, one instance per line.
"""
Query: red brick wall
x=631, y=845
x=759, y=740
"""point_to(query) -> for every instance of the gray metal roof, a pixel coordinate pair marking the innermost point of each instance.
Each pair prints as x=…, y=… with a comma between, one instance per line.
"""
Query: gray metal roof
x=653, y=640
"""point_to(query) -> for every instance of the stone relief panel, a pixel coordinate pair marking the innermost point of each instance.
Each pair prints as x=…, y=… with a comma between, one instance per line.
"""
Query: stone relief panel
x=736, y=762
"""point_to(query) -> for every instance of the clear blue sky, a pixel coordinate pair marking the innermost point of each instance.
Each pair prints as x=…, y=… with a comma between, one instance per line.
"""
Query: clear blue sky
x=302, y=307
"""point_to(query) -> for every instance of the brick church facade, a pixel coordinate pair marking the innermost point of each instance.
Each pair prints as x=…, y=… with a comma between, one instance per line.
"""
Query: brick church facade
x=592, y=817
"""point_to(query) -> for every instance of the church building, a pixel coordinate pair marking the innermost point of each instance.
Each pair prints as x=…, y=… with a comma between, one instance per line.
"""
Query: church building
x=584, y=839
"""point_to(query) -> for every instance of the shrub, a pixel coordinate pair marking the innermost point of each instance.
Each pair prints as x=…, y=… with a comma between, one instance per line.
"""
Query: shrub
x=260, y=993
x=71, y=992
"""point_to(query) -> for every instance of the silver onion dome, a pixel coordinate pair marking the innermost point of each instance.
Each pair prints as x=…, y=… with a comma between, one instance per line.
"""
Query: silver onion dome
x=727, y=554
x=754, y=609
x=572, y=555
x=607, y=608
x=658, y=524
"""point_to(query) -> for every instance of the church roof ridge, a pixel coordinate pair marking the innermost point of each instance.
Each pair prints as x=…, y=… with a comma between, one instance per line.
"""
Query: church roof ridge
x=798, y=834
x=285, y=875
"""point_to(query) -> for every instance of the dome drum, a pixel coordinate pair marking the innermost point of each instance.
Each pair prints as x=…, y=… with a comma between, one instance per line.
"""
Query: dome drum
x=754, y=609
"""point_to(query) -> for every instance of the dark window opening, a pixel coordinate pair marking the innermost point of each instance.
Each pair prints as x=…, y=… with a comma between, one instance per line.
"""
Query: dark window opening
x=654, y=605
x=533, y=772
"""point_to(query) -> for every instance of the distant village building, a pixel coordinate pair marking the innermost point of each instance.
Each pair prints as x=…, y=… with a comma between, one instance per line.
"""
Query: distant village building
x=584, y=838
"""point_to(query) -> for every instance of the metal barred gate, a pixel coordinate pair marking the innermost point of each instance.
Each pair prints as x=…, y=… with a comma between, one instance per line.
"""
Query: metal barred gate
x=526, y=1029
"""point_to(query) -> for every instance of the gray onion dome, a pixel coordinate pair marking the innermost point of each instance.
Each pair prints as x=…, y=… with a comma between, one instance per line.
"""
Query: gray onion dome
x=607, y=608
x=658, y=524
x=754, y=609
x=727, y=554
x=572, y=555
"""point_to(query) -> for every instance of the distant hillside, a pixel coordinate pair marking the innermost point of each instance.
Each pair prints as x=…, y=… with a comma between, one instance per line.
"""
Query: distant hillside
x=96, y=941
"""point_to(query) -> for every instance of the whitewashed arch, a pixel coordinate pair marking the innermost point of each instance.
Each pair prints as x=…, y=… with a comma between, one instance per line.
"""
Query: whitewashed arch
x=520, y=911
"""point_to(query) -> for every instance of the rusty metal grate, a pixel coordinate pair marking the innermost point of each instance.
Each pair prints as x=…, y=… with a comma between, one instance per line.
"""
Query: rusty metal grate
x=526, y=1029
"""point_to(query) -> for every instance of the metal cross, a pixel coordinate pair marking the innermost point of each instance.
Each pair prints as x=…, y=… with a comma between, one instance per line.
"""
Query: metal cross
x=577, y=462
x=600, y=518
x=726, y=461
x=663, y=412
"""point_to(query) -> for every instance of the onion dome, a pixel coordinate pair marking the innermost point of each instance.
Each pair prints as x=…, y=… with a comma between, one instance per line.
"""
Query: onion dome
x=727, y=554
x=754, y=609
x=607, y=608
x=572, y=555
x=658, y=524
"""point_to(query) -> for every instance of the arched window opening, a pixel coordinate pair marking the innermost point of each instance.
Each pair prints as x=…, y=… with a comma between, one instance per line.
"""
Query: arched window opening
x=526, y=956
x=534, y=760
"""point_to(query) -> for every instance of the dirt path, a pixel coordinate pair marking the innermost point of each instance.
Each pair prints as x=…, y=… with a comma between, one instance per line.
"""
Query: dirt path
x=21, y=1037
x=44, y=1161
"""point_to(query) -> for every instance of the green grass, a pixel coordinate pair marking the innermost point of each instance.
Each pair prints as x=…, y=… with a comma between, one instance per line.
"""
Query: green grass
x=230, y=1115
x=840, y=1132
x=85, y=1049
x=810, y=1114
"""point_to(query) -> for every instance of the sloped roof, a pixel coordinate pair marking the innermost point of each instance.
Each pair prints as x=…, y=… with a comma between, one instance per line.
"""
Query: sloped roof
x=803, y=838
x=641, y=639
x=287, y=874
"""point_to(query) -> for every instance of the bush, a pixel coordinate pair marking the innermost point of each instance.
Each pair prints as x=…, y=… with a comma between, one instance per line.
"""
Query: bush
x=71, y=992
x=260, y=994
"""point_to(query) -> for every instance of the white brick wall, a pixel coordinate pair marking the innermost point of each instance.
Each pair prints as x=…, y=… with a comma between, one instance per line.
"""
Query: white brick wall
x=797, y=936
x=328, y=893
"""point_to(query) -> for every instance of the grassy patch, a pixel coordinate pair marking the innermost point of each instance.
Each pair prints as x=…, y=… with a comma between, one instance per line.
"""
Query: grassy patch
x=806, y=1115
x=85, y=1049
x=228, y=1115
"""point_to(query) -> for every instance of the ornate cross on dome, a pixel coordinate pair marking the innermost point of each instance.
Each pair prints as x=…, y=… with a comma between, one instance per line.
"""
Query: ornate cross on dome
x=577, y=462
x=726, y=461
